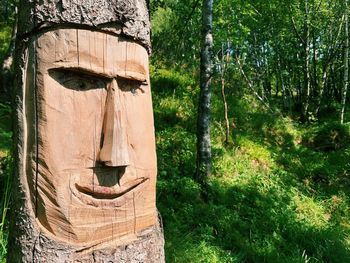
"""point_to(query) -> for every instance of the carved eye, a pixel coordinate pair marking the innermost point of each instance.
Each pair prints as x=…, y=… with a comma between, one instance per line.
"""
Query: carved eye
x=133, y=86
x=86, y=83
x=78, y=81
x=133, y=91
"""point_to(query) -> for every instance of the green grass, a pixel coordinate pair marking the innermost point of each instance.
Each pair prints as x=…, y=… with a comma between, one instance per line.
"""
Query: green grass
x=5, y=183
x=5, y=129
x=5, y=175
x=274, y=196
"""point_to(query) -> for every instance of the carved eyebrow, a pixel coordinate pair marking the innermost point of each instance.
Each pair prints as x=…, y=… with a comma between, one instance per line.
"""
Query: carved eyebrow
x=133, y=70
x=131, y=75
x=82, y=70
x=125, y=74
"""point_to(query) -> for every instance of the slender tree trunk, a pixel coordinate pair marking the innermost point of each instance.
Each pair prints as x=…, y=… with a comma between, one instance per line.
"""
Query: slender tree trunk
x=277, y=91
x=346, y=64
x=224, y=64
x=299, y=90
x=329, y=58
x=227, y=123
x=321, y=91
x=314, y=68
x=332, y=89
x=204, y=159
x=307, y=87
x=283, y=87
x=261, y=87
x=250, y=84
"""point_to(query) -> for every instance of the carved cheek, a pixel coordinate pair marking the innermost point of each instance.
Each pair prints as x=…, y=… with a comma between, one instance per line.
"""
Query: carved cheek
x=140, y=129
x=71, y=124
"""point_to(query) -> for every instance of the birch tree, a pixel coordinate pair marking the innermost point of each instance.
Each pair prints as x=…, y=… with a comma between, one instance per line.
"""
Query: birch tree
x=204, y=157
x=346, y=63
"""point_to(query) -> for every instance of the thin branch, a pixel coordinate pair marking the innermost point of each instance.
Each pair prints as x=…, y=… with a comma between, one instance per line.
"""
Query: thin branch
x=250, y=85
x=191, y=14
x=296, y=31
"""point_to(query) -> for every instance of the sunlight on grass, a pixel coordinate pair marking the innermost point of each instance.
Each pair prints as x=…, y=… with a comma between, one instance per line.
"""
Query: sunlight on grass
x=260, y=156
x=272, y=197
x=310, y=213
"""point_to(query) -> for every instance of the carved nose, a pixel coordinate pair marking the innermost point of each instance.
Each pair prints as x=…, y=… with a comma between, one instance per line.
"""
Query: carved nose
x=114, y=150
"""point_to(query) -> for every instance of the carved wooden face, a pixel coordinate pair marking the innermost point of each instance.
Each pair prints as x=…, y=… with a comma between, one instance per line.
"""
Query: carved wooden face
x=91, y=162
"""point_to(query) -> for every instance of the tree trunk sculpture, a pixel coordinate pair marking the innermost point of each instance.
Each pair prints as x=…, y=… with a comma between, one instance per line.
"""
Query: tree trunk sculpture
x=86, y=163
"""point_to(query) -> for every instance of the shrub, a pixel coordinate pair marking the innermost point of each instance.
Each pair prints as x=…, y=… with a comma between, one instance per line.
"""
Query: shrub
x=329, y=137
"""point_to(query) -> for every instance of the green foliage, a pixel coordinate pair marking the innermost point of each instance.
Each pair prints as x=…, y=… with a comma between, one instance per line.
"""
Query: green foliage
x=5, y=128
x=174, y=94
x=6, y=172
x=161, y=20
x=272, y=198
x=7, y=8
x=329, y=137
x=175, y=36
x=5, y=35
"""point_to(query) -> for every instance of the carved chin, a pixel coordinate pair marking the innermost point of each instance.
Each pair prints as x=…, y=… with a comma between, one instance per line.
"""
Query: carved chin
x=109, y=197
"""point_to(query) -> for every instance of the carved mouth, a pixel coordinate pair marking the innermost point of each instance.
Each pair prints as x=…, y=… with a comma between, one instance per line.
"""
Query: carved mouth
x=103, y=192
x=103, y=196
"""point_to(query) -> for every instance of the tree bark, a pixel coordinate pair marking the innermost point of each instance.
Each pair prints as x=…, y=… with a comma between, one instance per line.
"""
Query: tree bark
x=285, y=98
x=227, y=123
x=38, y=248
x=204, y=159
x=125, y=17
x=28, y=240
x=223, y=67
x=346, y=64
x=307, y=84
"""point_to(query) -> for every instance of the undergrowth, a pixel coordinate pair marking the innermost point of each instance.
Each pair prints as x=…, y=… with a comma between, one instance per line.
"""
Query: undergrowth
x=279, y=192
x=5, y=175
x=5, y=183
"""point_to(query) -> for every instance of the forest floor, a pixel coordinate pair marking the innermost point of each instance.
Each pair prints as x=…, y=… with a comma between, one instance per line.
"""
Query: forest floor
x=279, y=190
